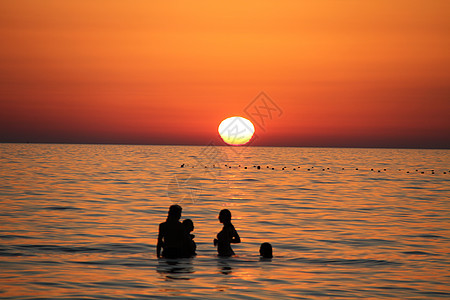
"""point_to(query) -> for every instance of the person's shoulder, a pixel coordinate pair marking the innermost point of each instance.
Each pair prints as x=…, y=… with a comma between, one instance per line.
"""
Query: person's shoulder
x=163, y=224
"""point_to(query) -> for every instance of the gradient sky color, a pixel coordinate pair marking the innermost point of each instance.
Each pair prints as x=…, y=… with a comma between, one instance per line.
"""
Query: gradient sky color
x=344, y=73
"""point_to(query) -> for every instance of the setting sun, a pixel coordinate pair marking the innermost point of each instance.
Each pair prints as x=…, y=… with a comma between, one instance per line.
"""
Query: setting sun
x=236, y=130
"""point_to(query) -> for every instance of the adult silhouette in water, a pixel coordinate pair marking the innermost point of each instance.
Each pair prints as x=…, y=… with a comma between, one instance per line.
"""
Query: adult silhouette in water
x=227, y=235
x=172, y=236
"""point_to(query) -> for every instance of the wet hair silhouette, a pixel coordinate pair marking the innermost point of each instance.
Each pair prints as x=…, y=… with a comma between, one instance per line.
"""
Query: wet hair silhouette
x=227, y=235
x=190, y=246
x=171, y=236
x=174, y=212
x=225, y=216
x=265, y=250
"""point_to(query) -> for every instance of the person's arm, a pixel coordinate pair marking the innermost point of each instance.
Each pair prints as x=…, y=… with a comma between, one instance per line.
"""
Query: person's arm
x=235, y=239
x=160, y=242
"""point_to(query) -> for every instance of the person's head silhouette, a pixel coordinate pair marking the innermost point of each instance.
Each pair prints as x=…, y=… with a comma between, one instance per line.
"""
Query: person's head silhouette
x=266, y=250
x=225, y=216
x=188, y=225
x=174, y=212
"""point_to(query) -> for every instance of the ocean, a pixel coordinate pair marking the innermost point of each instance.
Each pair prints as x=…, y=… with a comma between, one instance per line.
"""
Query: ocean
x=81, y=222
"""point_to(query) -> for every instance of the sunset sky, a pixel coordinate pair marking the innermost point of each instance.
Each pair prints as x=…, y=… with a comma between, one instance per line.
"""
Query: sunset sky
x=343, y=73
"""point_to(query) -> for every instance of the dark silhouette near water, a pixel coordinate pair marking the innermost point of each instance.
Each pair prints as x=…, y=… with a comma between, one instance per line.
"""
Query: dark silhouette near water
x=172, y=237
x=191, y=247
x=265, y=250
x=227, y=235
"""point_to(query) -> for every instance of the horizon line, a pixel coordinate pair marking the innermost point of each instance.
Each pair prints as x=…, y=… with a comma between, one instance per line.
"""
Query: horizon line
x=224, y=145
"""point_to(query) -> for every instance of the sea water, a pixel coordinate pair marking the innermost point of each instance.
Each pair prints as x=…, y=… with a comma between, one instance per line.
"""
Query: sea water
x=81, y=221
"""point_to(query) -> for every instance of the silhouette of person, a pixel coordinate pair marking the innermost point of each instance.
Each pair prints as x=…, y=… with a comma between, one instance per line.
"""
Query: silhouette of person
x=171, y=236
x=227, y=235
x=265, y=250
x=190, y=247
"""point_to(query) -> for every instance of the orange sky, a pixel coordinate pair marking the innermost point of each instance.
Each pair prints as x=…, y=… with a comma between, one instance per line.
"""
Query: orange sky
x=344, y=73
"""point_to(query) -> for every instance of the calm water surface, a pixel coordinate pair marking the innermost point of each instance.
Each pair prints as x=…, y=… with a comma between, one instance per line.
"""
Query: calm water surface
x=80, y=221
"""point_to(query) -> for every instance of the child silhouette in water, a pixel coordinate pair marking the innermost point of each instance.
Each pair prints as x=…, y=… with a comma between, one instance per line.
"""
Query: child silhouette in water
x=265, y=251
x=190, y=248
x=227, y=236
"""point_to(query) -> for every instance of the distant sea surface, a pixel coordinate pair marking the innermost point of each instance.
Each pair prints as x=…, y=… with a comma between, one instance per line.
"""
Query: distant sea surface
x=81, y=221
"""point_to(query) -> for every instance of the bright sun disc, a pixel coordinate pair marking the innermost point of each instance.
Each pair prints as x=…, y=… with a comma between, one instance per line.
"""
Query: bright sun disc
x=236, y=130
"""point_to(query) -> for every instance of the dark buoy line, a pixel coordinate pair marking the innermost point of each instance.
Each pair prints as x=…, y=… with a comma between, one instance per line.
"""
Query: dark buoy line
x=286, y=168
